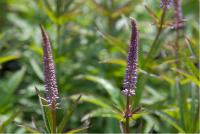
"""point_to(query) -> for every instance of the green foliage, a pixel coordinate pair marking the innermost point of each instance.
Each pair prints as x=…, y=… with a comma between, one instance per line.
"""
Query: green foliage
x=9, y=120
x=90, y=41
x=8, y=88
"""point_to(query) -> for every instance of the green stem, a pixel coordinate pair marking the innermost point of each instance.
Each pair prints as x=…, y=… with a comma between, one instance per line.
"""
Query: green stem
x=177, y=49
x=160, y=29
x=58, y=39
x=126, y=114
x=53, y=113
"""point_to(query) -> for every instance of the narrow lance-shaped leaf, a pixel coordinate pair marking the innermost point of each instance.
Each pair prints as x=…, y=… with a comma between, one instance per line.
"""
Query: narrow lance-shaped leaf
x=49, y=72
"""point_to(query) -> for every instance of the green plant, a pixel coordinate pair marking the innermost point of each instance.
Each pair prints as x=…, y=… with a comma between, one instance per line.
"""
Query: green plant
x=50, y=103
x=89, y=44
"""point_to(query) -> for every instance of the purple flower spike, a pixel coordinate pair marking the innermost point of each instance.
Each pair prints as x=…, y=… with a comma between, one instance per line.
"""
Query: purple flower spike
x=167, y=3
x=49, y=72
x=130, y=78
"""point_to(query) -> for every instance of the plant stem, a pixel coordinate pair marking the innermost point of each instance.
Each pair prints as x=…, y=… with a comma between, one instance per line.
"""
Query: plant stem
x=58, y=27
x=177, y=45
x=160, y=28
x=53, y=112
x=126, y=114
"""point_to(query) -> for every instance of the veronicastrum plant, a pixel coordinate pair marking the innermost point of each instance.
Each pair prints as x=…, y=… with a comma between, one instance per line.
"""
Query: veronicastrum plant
x=130, y=78
x=116, y=105
x=50, y=102
x=121, y=104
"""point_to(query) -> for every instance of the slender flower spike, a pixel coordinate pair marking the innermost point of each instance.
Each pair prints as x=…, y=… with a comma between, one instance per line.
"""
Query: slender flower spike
x=166, y=3
x=130, y=78
x=49, y=72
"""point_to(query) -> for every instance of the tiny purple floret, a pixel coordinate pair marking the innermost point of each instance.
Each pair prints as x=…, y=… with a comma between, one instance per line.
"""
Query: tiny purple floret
x=167, y=3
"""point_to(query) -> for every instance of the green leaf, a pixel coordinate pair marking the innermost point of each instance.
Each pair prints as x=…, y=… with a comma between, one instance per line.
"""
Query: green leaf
x=47, y=9
x=10, y=86
x=190, y=65
x=4, y=59
x=67, y=17
x=47, y=122
x=115, y=61
x=67, y=115
x=152, y=14
x=126, y=8
x=194, y=111
x=139, y=90
x=15, y=80
x=70, y=14
x=103, y=112
x=115, y=42
x=67, y=4
x=73, y=131
x=112, y=91
x=182, y=103
x=30, y=129
x=100, y=8
x=169, y=120
x=190, y=77
x=123, y=63
x=8, y=121
x=151, y=121
x=138, y=115
x=37, y=69
x=93, y=99
x=48, y=119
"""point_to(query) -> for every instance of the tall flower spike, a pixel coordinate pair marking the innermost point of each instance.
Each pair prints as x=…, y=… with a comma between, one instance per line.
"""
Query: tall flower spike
x=49, y=72
x=130, y=78
x=167, y=3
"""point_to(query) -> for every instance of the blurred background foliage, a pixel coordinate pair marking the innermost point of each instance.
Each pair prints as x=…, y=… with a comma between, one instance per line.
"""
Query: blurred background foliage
x=90, y=41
